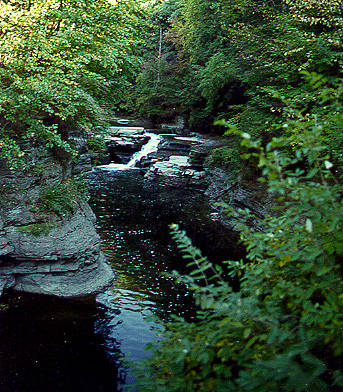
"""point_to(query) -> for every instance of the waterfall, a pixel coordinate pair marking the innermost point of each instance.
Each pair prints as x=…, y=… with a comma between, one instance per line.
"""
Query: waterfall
x=148, y=148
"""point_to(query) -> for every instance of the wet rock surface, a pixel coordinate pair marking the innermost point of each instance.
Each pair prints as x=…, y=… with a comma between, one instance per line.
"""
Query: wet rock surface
x=249, y=202
x=122, y=142
x=177, y=170
x=180, y=160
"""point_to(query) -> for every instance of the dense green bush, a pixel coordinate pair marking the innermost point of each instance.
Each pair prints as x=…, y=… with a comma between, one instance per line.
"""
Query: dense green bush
x=283, y=329
x=97, y=146
x=226, y=158
x=220, y=58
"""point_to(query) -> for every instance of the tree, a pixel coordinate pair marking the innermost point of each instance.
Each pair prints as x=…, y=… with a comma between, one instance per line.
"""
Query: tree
x=230, y=53
x=62, y=64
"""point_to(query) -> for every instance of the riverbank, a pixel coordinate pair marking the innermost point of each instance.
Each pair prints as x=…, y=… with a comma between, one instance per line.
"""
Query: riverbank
x=48, y=241
x=180, y=159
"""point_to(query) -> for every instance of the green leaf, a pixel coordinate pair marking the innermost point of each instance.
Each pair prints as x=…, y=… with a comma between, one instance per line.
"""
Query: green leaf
x=328, y=164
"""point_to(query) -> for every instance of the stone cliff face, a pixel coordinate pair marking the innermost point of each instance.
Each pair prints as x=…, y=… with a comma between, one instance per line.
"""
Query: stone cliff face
x=42, y=251
x=249, y=201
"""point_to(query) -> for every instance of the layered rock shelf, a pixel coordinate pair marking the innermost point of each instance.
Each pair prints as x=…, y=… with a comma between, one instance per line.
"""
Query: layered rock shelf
x=59, y=252
x=177, y=160
x=46, y=252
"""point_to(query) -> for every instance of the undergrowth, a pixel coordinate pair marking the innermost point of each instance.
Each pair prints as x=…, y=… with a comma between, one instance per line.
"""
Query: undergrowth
x=283, y=330
x=37, y=229
x=62, y=199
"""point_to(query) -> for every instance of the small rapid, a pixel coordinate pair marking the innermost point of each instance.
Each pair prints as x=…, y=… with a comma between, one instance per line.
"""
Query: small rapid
x=150, y=147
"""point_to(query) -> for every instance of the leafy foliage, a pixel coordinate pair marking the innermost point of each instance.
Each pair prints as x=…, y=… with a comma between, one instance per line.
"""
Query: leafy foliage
x=97, y=146
x=62, y=65
x=37, y=229
x=62, y=199
x=226, y=158
x=221, y=56
x=282, y=330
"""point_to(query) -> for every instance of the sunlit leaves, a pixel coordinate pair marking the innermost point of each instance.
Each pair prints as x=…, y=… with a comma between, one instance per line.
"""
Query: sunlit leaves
x=260, y=44
x=62, y=61
x=317, y=12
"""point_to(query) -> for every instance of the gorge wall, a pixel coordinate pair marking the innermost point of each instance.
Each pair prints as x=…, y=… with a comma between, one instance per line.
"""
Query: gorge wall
x=44, y=251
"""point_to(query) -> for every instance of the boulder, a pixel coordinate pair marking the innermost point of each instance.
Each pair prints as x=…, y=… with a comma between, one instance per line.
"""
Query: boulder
x=176, y=171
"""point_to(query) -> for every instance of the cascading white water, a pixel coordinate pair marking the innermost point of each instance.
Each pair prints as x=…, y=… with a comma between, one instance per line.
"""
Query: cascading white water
x=148, y=148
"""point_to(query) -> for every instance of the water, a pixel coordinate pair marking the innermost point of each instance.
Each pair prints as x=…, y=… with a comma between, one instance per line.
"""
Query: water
x=56, y=345
x=51, y=345
x=148, y=148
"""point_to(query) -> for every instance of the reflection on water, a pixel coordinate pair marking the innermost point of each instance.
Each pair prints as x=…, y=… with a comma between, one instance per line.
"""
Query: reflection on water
x=129, y=328
x=56, y=345
x=133, y=222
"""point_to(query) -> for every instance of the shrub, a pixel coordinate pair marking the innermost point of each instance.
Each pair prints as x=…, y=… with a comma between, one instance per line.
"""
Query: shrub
x=97, y=146
x=225, y=158
x=283, y=330
x=62, y=199
x=37, y=229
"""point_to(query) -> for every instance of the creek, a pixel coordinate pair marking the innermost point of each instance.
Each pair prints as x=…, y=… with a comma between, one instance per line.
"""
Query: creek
x=57, y=345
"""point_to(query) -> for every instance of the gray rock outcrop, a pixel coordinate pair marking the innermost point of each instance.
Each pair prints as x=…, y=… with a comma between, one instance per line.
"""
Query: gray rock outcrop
x=180, y=160
x=177, y=169
x=249, y=202
x=41, y=251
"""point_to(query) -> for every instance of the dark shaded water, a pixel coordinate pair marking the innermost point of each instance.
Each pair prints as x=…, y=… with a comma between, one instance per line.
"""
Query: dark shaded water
x=54, y=345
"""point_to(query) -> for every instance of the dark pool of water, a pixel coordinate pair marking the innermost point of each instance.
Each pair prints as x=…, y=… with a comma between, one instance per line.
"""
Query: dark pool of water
x=54, y=345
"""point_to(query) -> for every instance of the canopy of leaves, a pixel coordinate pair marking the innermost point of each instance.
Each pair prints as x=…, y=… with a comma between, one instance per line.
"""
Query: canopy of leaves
x=63, y=63
x=223, y=54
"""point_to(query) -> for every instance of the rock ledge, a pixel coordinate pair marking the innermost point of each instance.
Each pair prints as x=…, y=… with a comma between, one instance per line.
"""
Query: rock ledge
x=64, y=261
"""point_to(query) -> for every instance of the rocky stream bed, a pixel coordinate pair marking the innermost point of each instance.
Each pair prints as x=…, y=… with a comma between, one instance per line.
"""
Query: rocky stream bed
x=147, y=180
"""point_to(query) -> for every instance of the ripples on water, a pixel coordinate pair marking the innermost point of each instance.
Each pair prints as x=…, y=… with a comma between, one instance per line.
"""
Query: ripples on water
x=54, y=345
